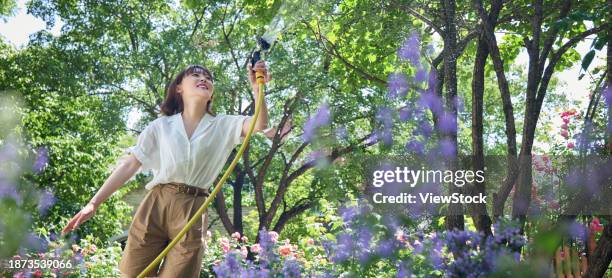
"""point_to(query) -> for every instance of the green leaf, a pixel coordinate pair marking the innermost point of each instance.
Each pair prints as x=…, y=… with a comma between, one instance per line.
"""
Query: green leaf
x=588, y=58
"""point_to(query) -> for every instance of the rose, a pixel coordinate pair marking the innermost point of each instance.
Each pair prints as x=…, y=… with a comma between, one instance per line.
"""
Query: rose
x=564, y=134
x=596, y=225
x=244, y=252
x=284, y=249
x=225, y=245
x=256, y=248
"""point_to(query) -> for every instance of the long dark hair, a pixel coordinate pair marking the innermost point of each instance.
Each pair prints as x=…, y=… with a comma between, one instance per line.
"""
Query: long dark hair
x=173, y=103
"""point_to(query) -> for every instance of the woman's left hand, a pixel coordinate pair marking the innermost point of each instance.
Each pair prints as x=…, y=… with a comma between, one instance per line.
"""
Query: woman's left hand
x=260, y=65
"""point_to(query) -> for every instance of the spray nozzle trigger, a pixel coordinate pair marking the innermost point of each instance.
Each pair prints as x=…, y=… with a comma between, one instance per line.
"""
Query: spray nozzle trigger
x=264, y=45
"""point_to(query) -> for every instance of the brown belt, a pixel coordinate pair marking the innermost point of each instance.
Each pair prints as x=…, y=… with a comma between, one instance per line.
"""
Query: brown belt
x=186, y=189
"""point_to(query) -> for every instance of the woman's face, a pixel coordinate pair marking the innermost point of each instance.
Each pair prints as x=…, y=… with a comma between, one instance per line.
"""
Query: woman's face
x=196, y=86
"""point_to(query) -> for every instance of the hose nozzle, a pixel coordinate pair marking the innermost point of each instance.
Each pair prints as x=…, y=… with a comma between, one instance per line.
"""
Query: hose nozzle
x=264, y=45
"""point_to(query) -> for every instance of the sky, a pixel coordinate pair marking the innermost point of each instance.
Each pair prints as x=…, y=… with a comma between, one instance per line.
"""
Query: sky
x=19, y=27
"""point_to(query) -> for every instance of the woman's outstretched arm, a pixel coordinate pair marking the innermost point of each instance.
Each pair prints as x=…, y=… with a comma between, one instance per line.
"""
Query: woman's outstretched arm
x=118, y=178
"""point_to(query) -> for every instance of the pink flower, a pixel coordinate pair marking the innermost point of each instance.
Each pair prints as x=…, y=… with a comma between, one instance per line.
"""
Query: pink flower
x=564, y=126
x=570, y=145
x=236, y=236
x=564, y=133
x=208, y=234
x=255, y=248
x=38, y=273
x=244, y=252
x=566, y=120
x=596, y=225
x=244, y=239
x=310, y=241
x=225, y=245
x=273, y=236
x=19, y=275
x=284, y=249
x=400, y=236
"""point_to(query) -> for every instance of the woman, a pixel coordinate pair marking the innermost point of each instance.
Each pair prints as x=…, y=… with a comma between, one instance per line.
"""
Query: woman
x=186, y=149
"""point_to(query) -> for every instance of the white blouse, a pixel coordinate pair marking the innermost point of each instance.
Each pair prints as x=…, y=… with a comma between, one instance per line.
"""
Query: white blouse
x=163, y=147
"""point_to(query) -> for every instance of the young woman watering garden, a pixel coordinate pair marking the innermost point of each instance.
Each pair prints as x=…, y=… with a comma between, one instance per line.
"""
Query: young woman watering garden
x=186, y=148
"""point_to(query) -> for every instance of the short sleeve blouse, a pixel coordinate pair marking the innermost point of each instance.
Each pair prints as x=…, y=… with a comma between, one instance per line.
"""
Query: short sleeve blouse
x=163, y=148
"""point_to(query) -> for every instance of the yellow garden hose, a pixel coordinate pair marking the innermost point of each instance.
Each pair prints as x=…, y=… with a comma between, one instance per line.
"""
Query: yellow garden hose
x=258, y=102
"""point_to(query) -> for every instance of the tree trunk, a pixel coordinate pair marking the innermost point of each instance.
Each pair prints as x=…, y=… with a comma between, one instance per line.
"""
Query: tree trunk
x=489, y=23
x=482, y=220
x=454, y=216
x=522, y=194
x=237, y=185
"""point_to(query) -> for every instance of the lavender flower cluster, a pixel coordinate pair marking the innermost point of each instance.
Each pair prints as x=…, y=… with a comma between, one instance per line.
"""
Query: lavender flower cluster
x=368, y=243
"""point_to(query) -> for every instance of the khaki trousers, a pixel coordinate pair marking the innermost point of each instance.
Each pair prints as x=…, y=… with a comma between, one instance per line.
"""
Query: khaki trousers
x=159, y=218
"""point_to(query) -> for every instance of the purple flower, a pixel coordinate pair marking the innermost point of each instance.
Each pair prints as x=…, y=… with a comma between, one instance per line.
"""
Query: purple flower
x=404, y=114
x=36, y=243
x=348, y=213
x=398, y=86
x=344, y=248
x=328, y=246
x=9, y=191
x=385, y=116
x=424, y=129
x=403, y=271
x=45, y=201
x=291, y=269
x=436, y=253
x=607, y=94
x=420, y=76
x=266, y=255
x=432, y=102
x=577, y=230
x=42, y=158
x=386, y=135
x=78, y=257
x=228, y=267
x=320, y=119
x=415, y=147
x=411, y=49
x=447, y=123
x=372, y=139
x=447, y=148
x=385, y=248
